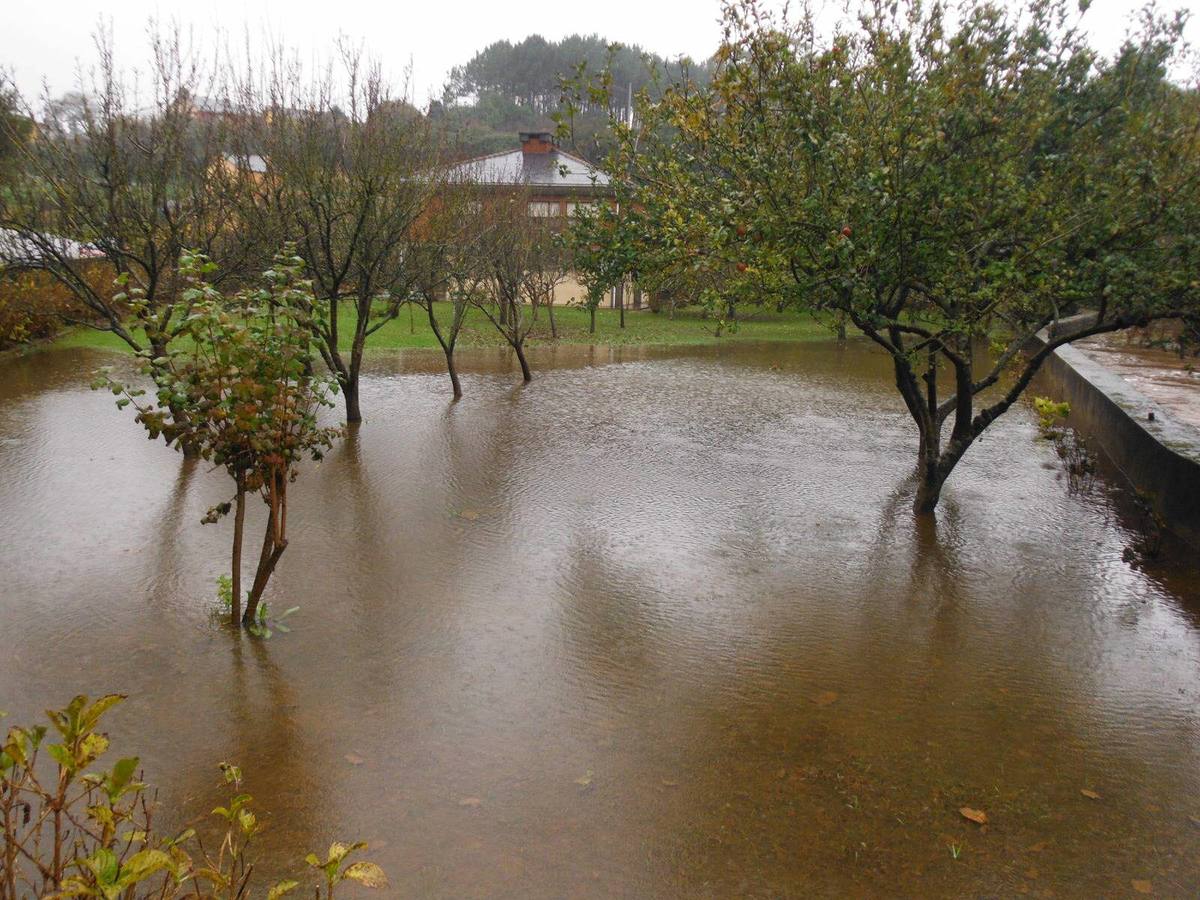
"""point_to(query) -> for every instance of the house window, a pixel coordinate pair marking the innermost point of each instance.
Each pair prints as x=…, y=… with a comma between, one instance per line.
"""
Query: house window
x=474, y=207
x=574, y=208
x=541, y=209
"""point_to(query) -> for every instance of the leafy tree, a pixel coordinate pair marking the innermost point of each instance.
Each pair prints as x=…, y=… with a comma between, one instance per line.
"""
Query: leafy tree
x=242, y=390
x=599, y=251
x=940, y=177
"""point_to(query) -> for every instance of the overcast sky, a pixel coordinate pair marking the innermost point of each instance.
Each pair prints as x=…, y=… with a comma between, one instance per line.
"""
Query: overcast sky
x=46, y=40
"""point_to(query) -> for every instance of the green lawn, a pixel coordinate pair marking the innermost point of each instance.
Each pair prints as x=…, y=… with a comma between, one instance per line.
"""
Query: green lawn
x=688, y=327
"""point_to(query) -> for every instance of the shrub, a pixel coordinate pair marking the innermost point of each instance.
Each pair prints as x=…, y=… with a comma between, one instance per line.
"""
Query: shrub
x=34, y=304
x=71, y=832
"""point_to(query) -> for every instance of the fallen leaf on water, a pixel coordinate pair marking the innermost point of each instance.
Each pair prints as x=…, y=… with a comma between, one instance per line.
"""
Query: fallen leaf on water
x=825, y=698
x=470, y=801
x=585, y=779
x=470, y=514
x=978, y=816
x=1142, y=886
x=1091, y=795
x=670, y=782
x=354, y=759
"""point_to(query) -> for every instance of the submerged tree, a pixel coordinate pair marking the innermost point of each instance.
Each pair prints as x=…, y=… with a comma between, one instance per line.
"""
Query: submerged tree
x=443, y=258
x=941, y=181
x=518, y=263
x=348, y=187
x=242, y=390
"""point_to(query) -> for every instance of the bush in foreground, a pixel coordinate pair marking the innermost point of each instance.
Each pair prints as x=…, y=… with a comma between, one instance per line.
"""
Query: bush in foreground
x=70, y=832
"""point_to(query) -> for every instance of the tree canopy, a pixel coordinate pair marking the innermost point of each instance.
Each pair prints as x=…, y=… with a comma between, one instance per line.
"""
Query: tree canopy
x=941, y=178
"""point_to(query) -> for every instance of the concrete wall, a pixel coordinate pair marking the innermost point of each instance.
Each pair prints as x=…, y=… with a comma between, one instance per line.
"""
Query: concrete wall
x=1160, y=457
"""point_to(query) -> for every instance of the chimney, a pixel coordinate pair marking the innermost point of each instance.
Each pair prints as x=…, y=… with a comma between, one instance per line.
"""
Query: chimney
x=536, y=141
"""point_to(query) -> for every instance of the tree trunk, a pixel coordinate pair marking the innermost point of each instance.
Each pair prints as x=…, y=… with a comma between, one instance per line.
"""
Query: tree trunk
x=929, y=488
x=274, y=543
x=350, y=390
x=450, y=367
x=526, y=375
x=447, y=346
x=239, y=523
x=592, y=320
x=267, y=560
x=550, y=313
x=621, y=302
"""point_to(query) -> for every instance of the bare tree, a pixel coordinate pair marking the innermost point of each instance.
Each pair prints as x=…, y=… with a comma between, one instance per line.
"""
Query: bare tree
x=348, y=187
x=447, y=276
x=132, y=179
x=518, y=261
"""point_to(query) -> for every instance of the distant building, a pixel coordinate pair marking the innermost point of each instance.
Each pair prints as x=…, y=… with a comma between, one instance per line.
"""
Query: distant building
x=33, y=250
x=210, y=109
x=251, y=163
x=558, y=182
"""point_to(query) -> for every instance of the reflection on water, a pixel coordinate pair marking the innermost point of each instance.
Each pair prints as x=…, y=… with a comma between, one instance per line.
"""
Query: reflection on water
x=669, y=622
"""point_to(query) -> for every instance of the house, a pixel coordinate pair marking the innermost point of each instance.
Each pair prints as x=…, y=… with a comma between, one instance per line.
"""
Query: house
x=558, y=184
x=20, y=249
x=252, y=165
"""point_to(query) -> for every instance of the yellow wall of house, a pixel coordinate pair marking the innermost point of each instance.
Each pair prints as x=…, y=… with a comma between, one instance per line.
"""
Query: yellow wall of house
x=569, y=291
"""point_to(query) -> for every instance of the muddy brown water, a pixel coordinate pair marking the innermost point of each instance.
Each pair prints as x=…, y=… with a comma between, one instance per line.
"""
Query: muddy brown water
x=1162, y=375
x=660, y=624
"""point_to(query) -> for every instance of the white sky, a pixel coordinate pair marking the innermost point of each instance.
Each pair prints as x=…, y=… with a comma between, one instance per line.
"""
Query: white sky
x=44, y=40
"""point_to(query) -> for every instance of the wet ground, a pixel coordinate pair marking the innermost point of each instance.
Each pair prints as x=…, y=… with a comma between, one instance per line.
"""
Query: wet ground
x=1162, y=375
x=660, y=627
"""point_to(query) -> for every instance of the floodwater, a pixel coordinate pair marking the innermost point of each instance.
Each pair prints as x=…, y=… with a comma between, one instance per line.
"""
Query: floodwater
x=1161, y=375
x=659, y=624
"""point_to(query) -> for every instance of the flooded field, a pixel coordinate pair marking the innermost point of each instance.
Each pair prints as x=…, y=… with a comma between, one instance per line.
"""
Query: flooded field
x=660, y=627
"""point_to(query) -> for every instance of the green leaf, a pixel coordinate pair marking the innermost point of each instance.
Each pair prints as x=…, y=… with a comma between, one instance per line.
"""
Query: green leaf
x=104, y=866
x=100, y=707
x=368, y=874
x=61, y=755
x=283, y=887
x=142, y=865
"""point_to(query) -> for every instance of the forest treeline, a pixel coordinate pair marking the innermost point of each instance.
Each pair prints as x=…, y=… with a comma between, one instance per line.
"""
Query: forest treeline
x=509, y=87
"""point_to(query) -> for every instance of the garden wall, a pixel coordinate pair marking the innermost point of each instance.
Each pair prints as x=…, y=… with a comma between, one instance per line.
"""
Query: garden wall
x=1159, y=456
